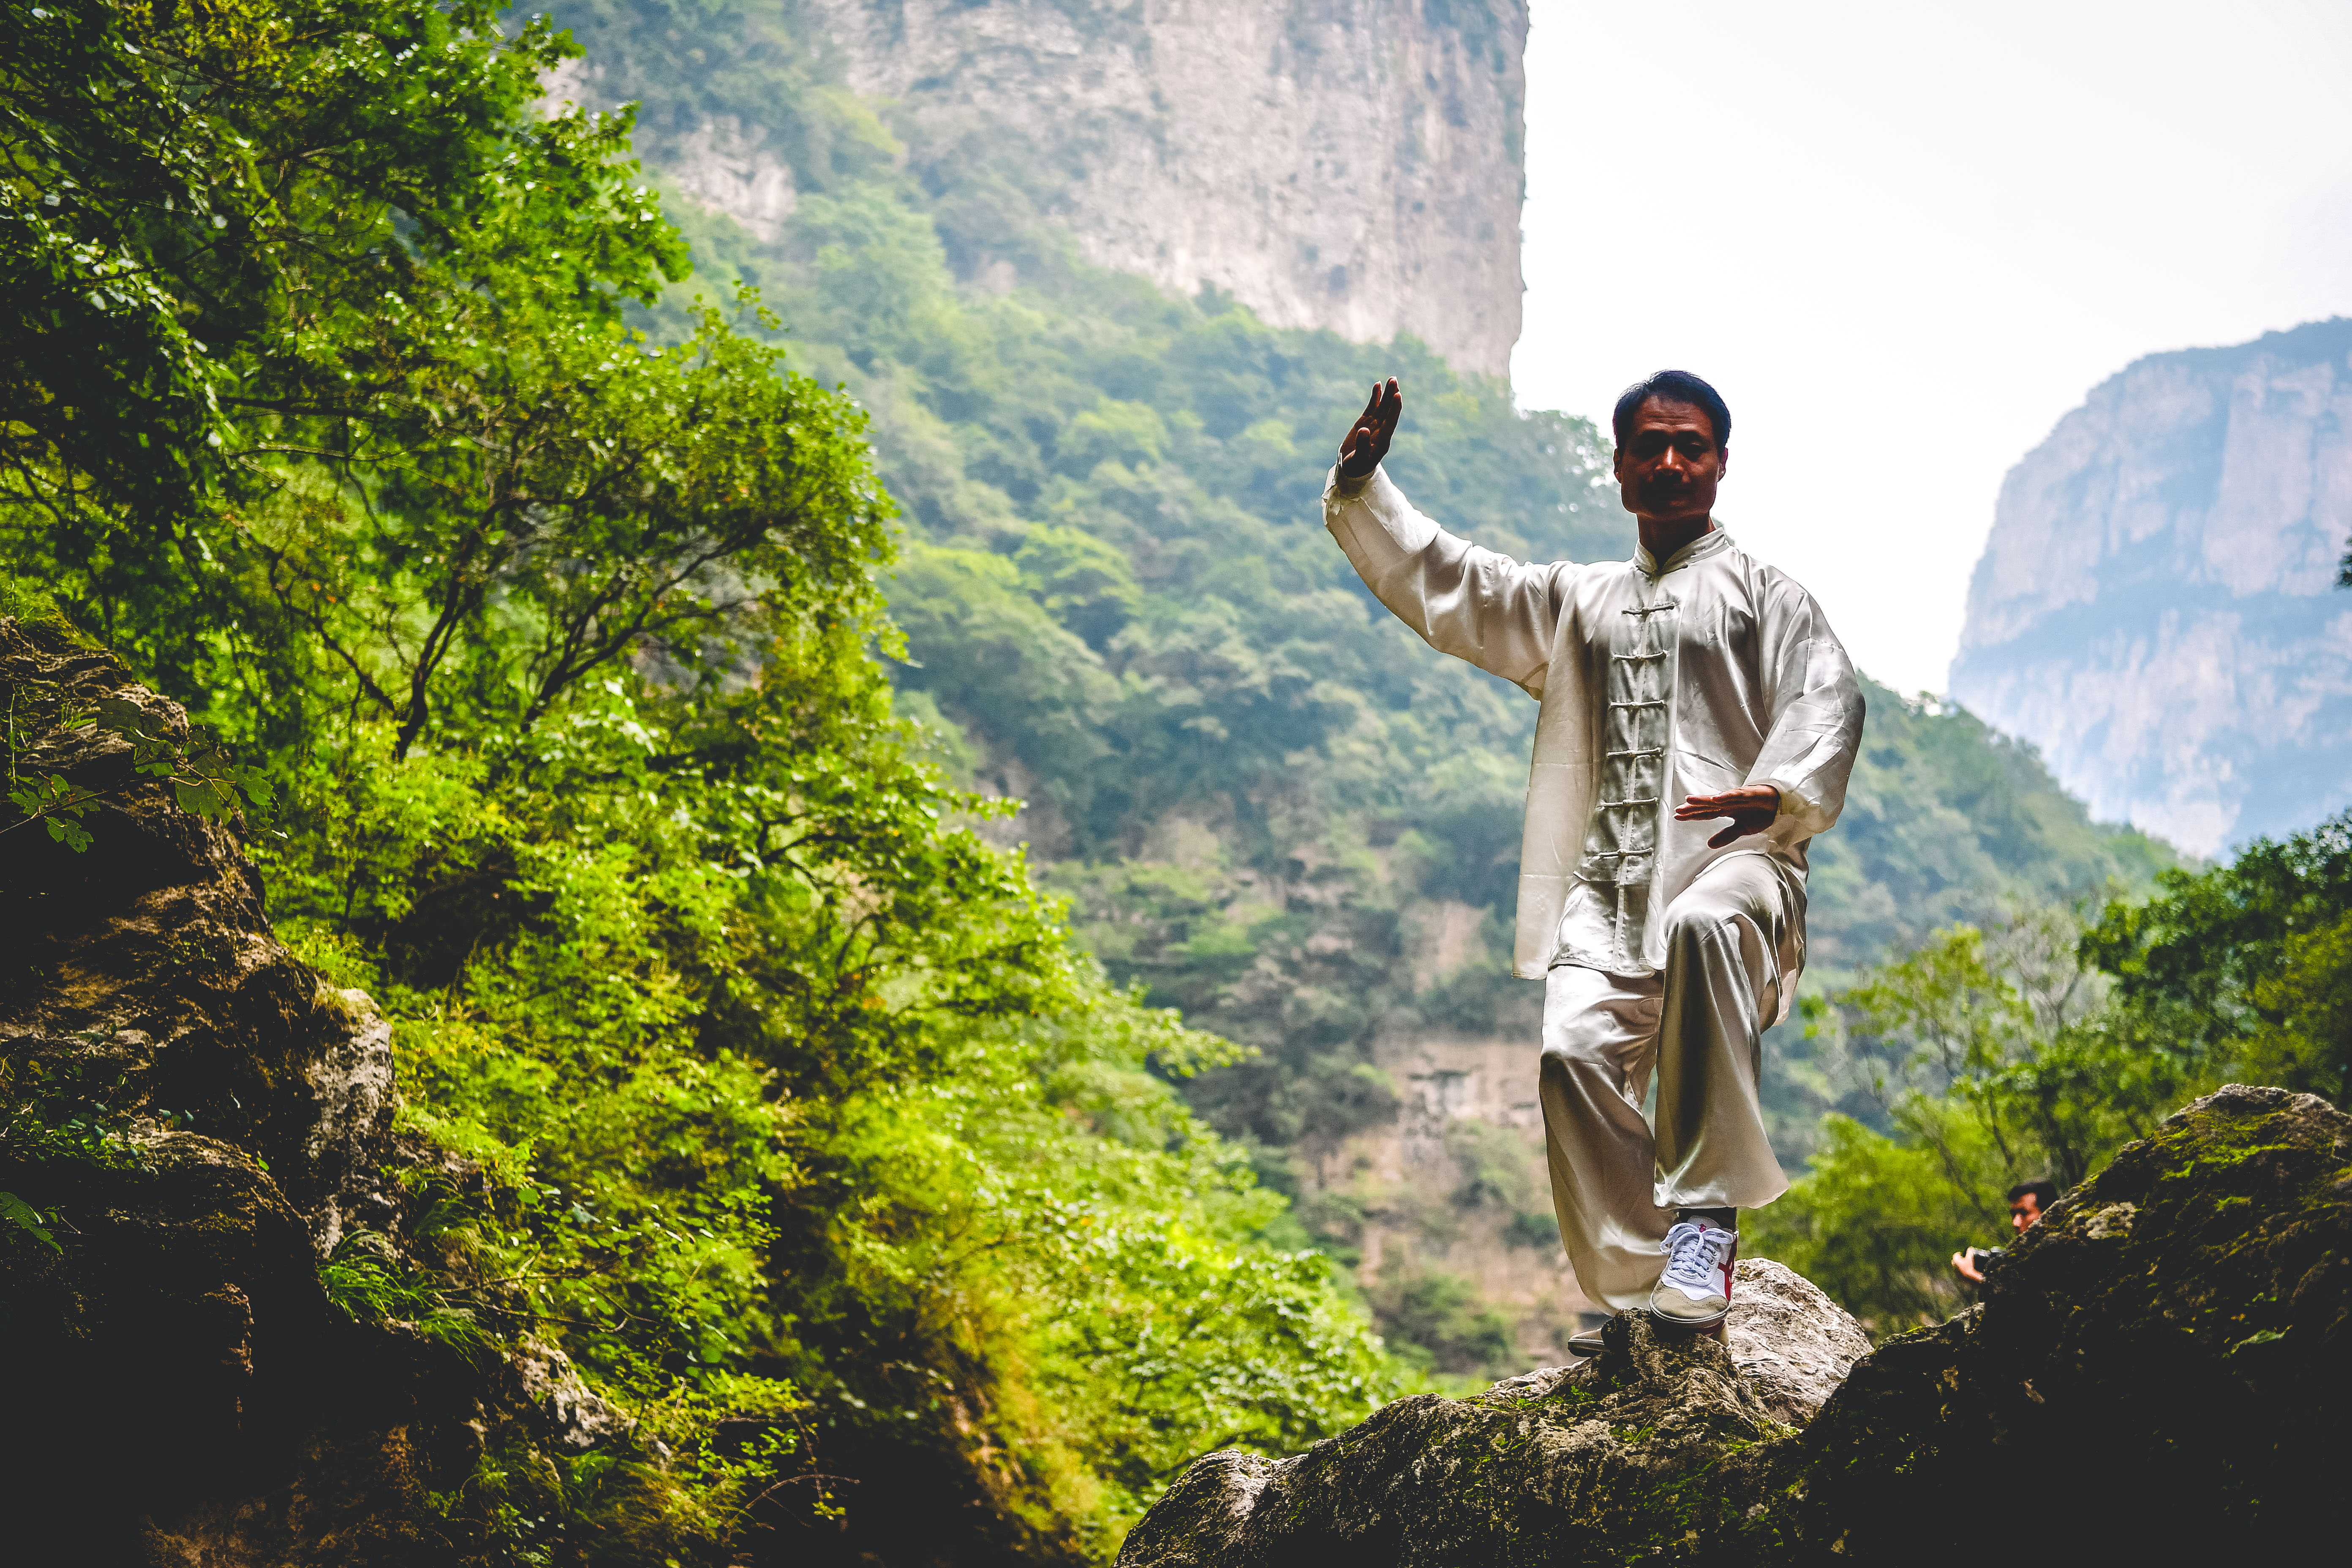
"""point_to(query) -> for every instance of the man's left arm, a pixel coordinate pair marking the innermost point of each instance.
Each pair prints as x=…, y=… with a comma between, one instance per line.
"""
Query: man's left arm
x=1815, y=710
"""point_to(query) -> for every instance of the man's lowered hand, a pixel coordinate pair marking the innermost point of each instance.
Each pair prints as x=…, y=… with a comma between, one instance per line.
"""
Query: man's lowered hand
x=1751, y=808
x=1367, y=441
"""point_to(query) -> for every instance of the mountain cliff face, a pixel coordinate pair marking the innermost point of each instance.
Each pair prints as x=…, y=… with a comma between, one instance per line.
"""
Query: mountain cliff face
x=2154, y=609
x=1354, y=165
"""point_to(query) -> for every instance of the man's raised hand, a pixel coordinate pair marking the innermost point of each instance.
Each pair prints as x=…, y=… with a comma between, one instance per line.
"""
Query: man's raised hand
x=1367, y=441
x=1751, y=808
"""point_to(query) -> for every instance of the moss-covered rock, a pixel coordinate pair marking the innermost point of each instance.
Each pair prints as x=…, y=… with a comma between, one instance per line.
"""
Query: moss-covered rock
x=2161, y=1370
x=196, y=1120
x=184, y=1390
x=142, y=968
x=2161, y=1365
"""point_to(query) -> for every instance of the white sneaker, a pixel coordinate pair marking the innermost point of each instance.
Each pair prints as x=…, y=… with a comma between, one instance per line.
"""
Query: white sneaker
x=1695, y=1292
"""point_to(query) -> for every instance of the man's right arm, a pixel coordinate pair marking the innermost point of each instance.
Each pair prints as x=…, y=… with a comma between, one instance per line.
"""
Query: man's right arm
x=1496, y=612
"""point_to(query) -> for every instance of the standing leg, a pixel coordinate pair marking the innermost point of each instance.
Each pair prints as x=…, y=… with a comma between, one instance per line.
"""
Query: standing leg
x=1726, y=939
x=1599, y=1036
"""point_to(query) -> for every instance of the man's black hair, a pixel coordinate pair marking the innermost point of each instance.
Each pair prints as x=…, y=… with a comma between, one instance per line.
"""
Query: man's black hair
x=2044, y=1193
x=1673, y=386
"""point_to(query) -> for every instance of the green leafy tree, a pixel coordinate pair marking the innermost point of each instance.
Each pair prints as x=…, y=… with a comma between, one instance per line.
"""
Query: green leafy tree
x=2305, y=1038
x=1992, y=1055
x=2245, y=960
x=796, y=1112
x=248, y=222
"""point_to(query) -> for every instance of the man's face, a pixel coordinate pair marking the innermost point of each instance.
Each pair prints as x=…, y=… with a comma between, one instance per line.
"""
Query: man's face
x=2024, y=1212
x=1669, y=464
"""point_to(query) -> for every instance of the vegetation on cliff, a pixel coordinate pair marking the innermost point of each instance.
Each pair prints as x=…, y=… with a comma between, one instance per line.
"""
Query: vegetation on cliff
x=792, y=1112
x=2039, y=1045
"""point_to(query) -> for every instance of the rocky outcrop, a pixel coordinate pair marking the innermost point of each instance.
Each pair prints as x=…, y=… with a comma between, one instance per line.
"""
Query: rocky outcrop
x=2154, y=606
x=201, y=1121
x=2162, y=1369
x=142, y=969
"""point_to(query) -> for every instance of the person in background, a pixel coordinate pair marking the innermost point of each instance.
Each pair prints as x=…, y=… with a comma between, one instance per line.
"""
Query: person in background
x=2028, y=1202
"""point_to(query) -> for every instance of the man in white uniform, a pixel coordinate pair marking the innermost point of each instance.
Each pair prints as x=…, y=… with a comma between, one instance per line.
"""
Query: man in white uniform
x=1692, y=684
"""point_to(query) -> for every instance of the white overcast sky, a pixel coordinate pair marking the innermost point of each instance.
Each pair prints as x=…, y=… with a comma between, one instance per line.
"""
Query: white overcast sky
x=1904, y=240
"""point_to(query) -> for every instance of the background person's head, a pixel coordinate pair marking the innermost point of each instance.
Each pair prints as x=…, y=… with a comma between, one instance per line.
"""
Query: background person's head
x=1673, y=439
x=2029, y=1201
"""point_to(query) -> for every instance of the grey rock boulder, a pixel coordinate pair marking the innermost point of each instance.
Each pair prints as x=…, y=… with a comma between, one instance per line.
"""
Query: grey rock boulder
x=1791, y=1343
x=1573, y=1458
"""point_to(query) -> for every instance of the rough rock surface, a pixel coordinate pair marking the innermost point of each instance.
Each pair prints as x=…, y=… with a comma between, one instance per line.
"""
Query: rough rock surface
x=2169, y=1356
x=1792, y=1344
x=146, y=959
x=182, y=1388
x=1354, y=165
x=2155, y=608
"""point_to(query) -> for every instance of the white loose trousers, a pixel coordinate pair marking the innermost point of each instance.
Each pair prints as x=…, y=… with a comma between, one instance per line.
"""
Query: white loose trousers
x=1698, y=1022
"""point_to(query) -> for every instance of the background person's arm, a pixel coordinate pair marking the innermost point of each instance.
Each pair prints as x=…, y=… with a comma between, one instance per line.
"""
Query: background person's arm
x=1496, y=613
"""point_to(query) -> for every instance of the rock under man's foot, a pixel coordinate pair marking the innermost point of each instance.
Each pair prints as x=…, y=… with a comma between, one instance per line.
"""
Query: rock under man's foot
x=1695, y=1291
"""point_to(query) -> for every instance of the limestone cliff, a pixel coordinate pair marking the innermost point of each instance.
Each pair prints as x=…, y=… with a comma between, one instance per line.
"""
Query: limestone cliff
x=2153, y=609
x=1354, y=165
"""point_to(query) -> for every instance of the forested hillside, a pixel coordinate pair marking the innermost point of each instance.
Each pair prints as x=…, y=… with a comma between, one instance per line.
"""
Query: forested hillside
x=1268, y=802
x=532, y=662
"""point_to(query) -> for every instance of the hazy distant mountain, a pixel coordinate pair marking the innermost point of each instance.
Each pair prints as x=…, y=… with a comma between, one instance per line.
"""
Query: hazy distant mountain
x=2155, y=608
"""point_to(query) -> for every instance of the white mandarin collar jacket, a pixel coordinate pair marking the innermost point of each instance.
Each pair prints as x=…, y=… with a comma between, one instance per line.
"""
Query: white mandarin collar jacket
x=1762, y=691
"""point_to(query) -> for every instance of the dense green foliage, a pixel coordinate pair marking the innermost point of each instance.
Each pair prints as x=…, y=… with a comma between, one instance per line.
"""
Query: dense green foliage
x=2254, y=959
x=804, y=1127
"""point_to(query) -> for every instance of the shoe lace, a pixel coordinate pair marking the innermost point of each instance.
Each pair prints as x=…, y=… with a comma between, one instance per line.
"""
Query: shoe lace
x=1695, y=1253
